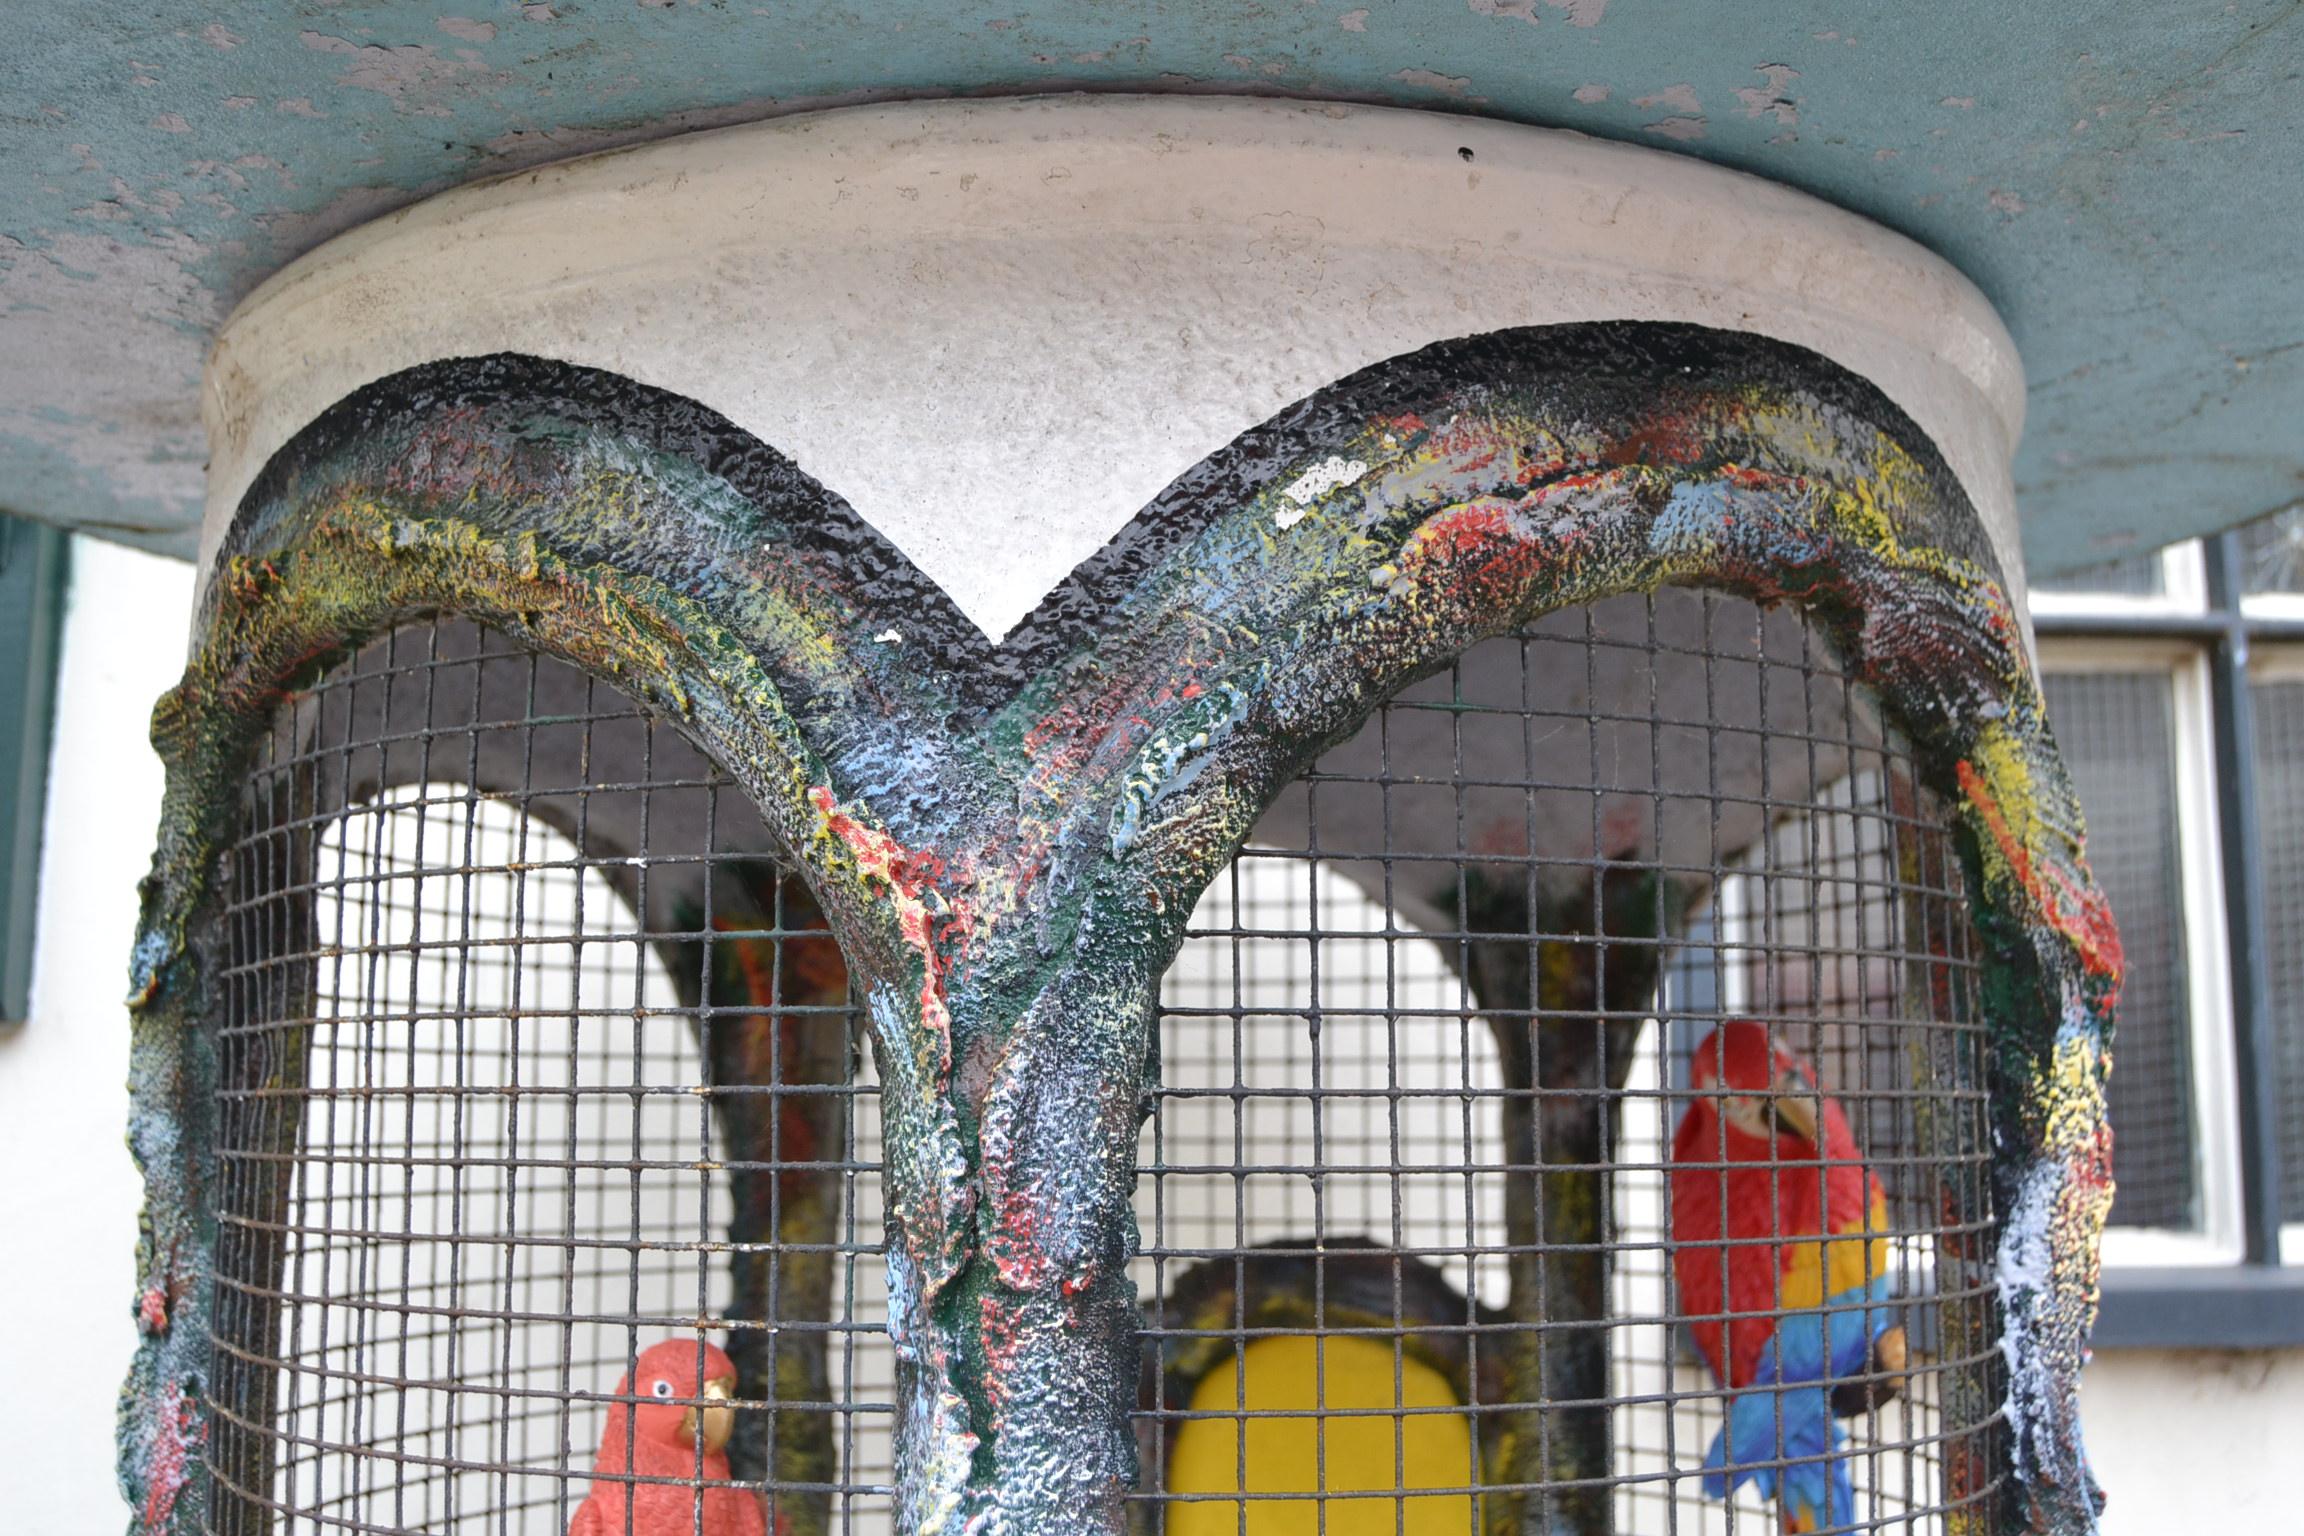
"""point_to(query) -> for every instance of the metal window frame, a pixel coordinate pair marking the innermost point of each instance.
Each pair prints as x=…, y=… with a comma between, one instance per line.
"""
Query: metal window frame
x=2254, y=1301
x=35, y=563
x=2280, y=661
x=2183, y=592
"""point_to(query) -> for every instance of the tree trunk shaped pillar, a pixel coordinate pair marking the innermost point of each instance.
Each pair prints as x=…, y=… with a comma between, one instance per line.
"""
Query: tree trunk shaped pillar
x=1565, y=1006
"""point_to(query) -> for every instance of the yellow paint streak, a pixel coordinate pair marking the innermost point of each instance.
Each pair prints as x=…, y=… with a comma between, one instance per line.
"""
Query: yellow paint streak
x=2075, y=1086
x=1882, y=484
x=1285, y=1455
x=2000, y=759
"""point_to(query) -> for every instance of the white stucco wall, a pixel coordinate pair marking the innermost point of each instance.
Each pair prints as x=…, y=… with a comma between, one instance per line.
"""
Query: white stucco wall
x=2197, y=1443
x=2180, y=1438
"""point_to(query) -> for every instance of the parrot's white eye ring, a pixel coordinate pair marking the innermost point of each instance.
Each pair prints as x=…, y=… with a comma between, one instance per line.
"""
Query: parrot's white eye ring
x=662, y=1389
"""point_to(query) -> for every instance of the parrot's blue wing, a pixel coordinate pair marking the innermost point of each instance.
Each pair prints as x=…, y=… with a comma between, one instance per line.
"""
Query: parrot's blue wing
x=1784, y=1443
x=1830, y=1343
x=1780, y=1436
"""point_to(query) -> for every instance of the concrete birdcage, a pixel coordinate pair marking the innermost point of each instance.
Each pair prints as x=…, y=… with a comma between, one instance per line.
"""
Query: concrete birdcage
x=1214, y=1047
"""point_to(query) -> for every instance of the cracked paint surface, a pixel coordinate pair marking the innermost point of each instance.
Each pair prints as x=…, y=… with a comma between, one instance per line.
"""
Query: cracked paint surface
x=2105, y=174
x=1007, y=839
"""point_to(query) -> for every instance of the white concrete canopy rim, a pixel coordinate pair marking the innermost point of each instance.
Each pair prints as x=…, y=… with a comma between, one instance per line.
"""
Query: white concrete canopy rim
x=998, y=329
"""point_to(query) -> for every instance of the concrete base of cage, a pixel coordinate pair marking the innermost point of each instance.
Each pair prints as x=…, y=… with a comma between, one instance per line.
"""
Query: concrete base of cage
x=1069, y=789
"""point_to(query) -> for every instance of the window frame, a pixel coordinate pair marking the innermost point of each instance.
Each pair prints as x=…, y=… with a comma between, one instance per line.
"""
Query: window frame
x=35, y=567
x=2216, y=1173
x=2280, y=661
x=2207, y=1293
x=2183, y=592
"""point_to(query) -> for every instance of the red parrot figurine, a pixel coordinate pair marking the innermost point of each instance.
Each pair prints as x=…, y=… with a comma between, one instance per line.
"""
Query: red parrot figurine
x=678, y=1430
x=1800, y=1330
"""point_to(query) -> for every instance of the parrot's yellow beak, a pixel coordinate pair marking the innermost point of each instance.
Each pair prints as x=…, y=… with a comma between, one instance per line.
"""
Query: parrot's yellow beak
x=714, y=1422
x=1793, y=1106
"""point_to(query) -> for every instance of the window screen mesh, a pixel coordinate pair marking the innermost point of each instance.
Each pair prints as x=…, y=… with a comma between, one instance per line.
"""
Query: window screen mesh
x=1370, y=1120
x=2272, y=554
x=2115, y=729
x=2280, y=805
x=522, y=1034
x=2130, y=576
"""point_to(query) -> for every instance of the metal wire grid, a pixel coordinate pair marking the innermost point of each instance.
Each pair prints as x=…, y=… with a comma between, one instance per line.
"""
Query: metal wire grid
x=2280, y=807
x=2116, y=730
x=513, y=1015
x=456, y=1214
x=1669, y=812
x=2129, y=576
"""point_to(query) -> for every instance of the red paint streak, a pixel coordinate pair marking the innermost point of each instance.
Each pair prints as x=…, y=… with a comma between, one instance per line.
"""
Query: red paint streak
x=909, y=875
x=2092, y=1175
x=1746, y=479
x=1472, y=528
x=1665, y=439
x=174, y=1438
x=1021, y=1261
x=2085, y=919
x=1062, y=724
x=152, y=1311
x=1479, y=542
x=1006, y=1345
x=2001, y=621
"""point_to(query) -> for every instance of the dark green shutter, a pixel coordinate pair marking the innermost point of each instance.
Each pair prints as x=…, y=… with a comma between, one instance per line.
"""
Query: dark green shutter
x=33, y=558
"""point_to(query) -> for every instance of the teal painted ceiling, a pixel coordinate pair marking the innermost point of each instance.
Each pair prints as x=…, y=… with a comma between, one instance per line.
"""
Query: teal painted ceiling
x=2124, y=180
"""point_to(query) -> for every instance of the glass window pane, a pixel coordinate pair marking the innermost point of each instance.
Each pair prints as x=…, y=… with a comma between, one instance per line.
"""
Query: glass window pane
x=2130, y=576
x=2272, y=554
x=2116, y=732
x=2280, y=808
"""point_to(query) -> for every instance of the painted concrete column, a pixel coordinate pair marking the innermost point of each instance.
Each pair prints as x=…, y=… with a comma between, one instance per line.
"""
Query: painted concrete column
x=1013, y=498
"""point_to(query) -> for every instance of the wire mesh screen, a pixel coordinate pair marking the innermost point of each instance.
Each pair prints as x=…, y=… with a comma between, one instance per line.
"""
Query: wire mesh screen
x=2131, y=576
x=2117, y=729
x=549, y=1146
x=1474, y=1194
x=2280, y=803
x=2272, y=552
x=537, y=1070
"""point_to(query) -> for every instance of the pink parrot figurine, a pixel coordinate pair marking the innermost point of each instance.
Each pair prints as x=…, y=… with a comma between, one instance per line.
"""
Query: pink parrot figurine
x=678, y=1430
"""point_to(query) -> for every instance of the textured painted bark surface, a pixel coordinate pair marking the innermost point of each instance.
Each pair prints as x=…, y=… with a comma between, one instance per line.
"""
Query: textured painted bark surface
x=1007, y=839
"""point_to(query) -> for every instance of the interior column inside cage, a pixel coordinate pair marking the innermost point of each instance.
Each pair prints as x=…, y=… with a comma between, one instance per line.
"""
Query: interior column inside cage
x=536, y=1057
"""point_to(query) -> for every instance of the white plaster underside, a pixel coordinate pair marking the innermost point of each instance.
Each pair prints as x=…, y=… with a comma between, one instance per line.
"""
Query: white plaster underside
x=999, y=328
